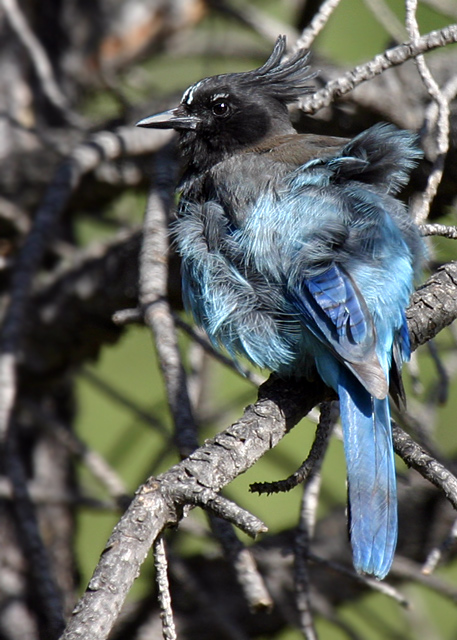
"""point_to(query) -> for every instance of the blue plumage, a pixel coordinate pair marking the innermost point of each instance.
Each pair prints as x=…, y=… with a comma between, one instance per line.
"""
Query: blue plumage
x=296, y=254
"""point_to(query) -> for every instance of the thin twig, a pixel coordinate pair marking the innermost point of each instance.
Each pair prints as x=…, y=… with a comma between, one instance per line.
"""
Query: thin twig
x=253, y=17
x=163, y=586
x=406, y=569
x=40, y=61
x=436, y=554
x=449, y=91
x=128, y=316
x=442, y=384
x=202, y=340
x=432, y=470
x=41, y=494
x=155, y=305
x=376, y=585
x=318, y=448
x=133, y=316
x=305, y=529
x=121, y=399
x=310, y=33
x=229, y=511
x=446, y=7
x=388, y=19
x=421, y=207
x=244, y=565
x=94, y=462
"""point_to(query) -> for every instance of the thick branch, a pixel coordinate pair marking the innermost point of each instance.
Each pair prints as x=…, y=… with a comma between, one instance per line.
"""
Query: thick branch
x=279, y=407
x=434, y=306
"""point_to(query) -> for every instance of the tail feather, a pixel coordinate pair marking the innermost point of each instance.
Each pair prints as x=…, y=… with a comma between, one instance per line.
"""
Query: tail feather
x=371, y=477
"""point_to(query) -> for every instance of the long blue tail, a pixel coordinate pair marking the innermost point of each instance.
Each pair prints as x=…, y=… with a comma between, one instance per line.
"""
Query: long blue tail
x=371, y=477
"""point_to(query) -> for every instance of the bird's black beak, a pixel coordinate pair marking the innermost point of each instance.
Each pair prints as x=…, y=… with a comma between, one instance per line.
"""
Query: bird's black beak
x=174, y=119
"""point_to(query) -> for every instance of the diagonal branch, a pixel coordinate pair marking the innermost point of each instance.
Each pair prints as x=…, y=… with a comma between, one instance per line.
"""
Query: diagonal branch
x=158, y=504
x=380, y=63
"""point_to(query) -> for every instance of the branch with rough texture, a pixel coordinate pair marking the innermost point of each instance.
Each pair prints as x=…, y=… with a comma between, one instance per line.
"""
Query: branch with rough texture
x=158, y=504
x=432, y=470
x=279, y=407
x=439, y=230
x=434, y=305
x=379, y=64
x=161, y=565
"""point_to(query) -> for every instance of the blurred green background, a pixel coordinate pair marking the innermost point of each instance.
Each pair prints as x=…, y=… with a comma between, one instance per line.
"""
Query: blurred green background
x=135, y=449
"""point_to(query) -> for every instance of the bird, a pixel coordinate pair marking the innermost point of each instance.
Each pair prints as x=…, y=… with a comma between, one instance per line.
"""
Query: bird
x=297, y=254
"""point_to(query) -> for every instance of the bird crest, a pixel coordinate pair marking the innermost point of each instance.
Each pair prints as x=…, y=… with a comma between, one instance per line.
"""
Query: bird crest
x=285, y=79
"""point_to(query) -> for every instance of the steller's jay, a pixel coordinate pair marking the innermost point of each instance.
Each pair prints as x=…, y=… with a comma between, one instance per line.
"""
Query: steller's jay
x=296, y=253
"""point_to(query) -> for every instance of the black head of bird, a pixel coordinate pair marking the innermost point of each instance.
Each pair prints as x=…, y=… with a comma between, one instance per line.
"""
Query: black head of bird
x=222, y=114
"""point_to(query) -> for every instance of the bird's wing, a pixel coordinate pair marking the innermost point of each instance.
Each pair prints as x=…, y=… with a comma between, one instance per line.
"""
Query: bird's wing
x=299, y=149
x=334, y=310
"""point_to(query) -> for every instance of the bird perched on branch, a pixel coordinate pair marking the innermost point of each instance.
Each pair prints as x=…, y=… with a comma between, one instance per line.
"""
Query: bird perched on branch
x=296, y=254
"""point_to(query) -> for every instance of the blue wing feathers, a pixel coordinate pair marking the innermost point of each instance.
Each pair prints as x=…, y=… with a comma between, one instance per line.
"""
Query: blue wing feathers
x=336, y=296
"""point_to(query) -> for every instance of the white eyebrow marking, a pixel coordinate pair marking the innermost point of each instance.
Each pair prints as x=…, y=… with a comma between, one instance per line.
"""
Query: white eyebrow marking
x=188, y=95
x=218, y=96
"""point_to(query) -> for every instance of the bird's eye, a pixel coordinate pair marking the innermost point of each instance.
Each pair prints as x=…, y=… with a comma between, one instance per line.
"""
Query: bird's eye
x=220, y=108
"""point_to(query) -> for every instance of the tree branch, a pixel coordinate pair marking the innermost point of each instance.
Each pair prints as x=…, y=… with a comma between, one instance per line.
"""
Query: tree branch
x=379, y=64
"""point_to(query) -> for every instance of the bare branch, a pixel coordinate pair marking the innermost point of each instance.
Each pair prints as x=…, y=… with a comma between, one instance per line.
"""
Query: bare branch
x=376, y=585
x=225, y=509
x=414, y=456
x=259, y=21
x=446, y=7
x=379, y=64
x=161, y=564
x=388, y=19
x=436, y=554
x=421, y=207
x=212, y=466
x=244, y=565
x=156, y=309
x=316, y=25
x=438, y=230
x=434, y=305
x=40, y=61
x=305, y=530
